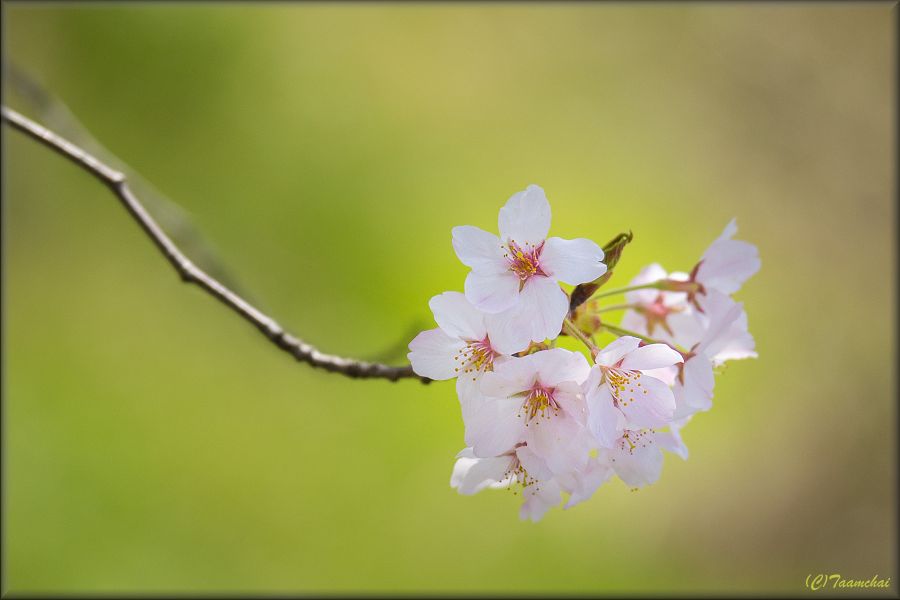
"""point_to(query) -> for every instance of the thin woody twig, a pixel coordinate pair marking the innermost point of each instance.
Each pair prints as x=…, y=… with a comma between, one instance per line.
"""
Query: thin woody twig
x=190, y=273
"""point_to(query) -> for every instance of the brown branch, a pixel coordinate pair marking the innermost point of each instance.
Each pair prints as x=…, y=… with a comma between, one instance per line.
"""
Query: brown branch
x=190, y=273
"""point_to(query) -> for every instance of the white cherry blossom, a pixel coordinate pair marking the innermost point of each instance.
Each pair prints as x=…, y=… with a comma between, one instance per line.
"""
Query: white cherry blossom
x=621, y=392
x=637, y=456
x=536, y=399
x=518, y=273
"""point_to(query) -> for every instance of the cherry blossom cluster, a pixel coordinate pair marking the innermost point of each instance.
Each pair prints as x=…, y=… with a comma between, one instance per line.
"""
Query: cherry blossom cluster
x=547, y=421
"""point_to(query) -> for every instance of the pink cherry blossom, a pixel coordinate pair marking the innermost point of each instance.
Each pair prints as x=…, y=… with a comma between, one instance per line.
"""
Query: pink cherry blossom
x=518, y=273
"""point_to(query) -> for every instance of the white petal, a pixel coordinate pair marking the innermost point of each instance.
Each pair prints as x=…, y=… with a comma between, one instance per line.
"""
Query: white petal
x=468, y=390
x=457, y=317
x=557, y=365
x=721, y=313
x=512, y=377
x=478, y=249
x=696, y=393
x=615, y=350
x=539, y=499
x=582, y=484
x=671, y=441
x=431, y=354
x=492, y=293
x=728, y=263
x=507, y=331
x=650, y=405
x=471, y=475
x=649, y=274
x=632, y=320
x=640, y=467
x=543, y=306
x=651, y=356
x=526, y=217
x=495, y=427
x=605, y=421
x=572, y=261
x=560, y=441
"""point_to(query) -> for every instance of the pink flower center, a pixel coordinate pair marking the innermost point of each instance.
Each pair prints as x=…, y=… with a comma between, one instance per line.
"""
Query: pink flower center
x=476, y=357
x=539, y=404
x=525, y=262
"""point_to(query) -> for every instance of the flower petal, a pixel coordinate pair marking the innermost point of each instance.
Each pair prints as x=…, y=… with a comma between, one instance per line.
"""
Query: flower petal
x=471, y=475
x=605, y=421
x=639, y=467
x=696, y=392
x=615, y=350
x=728, y=263
x=506, y=333
x=542, y=307
x=457, y=317
x=492, y=293
x=478, y=249
x=572, y=261
x=650, y=405
x=526, y=217
x=495, y=427
x=540, y=499
x=649, y=274
x=431, y=354
x=651, y=356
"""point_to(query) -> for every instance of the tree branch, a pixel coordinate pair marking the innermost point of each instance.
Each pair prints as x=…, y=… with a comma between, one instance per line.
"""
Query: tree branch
x=190, y=273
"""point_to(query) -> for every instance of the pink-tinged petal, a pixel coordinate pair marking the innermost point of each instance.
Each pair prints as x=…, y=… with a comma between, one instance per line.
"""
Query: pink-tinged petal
x=649, y=274
x=728, y=263
x=468, y=390
x=540, y=499
x=510, y=378
x=431, y=354
x=506, y=333
x=605, y=421
x=557, y=365
x=639, y=467
x=534, y=464
x=495, y=427
x=696, y=392
x=457, y=317
x=721, y=313
x=632, y=320
x=543, y=306
x=478, y=249
x=582, y=484
x=650, y=405
x=666, y=375
x=570, y=398
x=616, y=350
x=525, y=218
x=651, y=356
x=671, y=441
x=471, y=475
x=492, y=293
x=560, y=441
x=572, y=261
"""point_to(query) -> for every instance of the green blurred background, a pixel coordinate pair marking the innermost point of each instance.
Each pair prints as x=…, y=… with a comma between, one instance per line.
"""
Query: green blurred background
x=154, y=442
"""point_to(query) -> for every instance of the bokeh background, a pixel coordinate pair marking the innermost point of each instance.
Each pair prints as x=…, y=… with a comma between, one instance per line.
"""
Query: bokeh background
x=154, y=442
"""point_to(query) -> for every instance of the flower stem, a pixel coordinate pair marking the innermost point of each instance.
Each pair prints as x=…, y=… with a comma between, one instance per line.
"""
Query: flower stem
x=570, y=328
x=619, y=331
x=612, y=307
x=644, y=286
